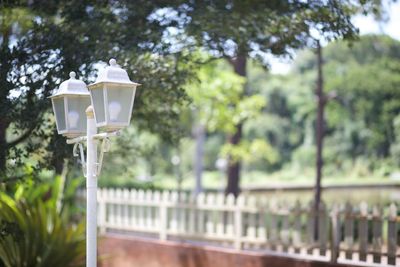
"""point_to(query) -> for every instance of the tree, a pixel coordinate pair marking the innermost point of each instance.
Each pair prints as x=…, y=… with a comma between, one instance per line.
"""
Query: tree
x=220, y=105
x=40, y=42
x=321, y=101
x=364, y=78
x=34, y=58
x=237, y=30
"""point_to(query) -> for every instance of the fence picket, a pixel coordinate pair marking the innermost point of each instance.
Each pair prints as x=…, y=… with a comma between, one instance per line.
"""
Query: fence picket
x=102, y=210
x=363, y=232
x=192, y=215
x=173, y=223
x=111, y=207
x=261, y=230
x=392, y=234
x=133, y=208
x=141, y=209
x=251, y=221
x=322, y=229
x=200, y=201
x=284, y=234
x=296, y=236
x=377, y=233
x=163, y=211
x=210, y=220
x=238, y=221
x=118, y=208
x=273, y=225
x=336, y=234
x=125, y=207
x=157, y=200
x=310, y=227
x=349, y=231
x=183, y=212
x=230, y=202
x=220, y=215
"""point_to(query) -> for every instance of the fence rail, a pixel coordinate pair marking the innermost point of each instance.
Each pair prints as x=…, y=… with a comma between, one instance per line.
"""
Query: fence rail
x=345, y=232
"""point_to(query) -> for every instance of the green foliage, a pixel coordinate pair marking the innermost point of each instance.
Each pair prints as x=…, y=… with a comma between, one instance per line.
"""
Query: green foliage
x=367, y=94
x=255, y=28
x=220, y=104
x=36, y=229
x=249, y=152
x=395, y=147
x=219, y=100
x=361, y=81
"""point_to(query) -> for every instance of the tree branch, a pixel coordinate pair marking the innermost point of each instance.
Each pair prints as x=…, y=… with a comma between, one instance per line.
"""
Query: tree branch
x=21, y=138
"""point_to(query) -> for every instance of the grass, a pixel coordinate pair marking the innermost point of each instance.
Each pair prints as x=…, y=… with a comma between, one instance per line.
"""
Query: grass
x=216, y=180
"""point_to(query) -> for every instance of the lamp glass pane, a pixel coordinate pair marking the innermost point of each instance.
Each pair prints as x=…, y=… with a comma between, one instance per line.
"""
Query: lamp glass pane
x=98, y=104
x=59, y=110
x=77, y=106
x=119, y=104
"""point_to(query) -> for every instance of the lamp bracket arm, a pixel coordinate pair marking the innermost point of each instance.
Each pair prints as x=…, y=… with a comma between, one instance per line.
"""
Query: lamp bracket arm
x=104, y=147
x=104, y=138
x=81, y=154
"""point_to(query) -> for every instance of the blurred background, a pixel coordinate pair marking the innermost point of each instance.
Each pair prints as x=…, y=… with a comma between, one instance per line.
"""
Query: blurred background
x=222, y=107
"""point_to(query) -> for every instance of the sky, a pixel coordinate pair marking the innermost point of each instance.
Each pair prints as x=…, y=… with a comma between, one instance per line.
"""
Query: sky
x=366, y=25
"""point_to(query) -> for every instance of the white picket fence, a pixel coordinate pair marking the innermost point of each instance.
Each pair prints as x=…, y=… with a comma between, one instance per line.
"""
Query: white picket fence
x=345, y=233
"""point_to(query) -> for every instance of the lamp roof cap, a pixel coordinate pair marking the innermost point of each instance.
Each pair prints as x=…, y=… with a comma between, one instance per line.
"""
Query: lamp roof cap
x=113, y=74
x=72, y=86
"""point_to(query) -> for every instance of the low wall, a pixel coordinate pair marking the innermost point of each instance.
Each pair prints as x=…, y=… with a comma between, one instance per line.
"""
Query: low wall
x=122, y=251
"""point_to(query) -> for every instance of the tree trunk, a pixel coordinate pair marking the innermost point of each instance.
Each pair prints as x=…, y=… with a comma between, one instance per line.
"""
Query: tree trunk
x=59, y=165
x=319, y=136
x=3, y=146
x=4, y=69
x=200, y=136
x=233, y=171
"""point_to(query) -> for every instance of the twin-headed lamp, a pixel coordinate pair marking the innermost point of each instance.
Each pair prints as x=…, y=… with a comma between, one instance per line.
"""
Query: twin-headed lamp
x=112, y=97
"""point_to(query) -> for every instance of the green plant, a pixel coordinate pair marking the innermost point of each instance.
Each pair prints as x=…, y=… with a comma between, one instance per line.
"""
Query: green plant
x=36, y=231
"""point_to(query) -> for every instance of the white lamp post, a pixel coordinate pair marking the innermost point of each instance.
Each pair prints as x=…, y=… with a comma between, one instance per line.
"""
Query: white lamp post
x=109, y=106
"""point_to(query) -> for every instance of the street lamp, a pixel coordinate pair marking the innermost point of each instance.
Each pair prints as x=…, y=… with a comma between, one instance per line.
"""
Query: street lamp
x=108, y=105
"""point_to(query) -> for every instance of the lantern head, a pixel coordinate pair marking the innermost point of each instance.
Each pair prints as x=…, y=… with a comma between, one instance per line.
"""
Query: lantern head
x=112, y=96
x=69, y=104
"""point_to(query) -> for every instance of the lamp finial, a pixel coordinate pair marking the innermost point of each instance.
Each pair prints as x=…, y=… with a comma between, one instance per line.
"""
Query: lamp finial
x=113, y=62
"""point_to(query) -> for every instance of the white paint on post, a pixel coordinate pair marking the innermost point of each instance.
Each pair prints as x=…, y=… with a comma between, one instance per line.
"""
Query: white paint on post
x=91, y=191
